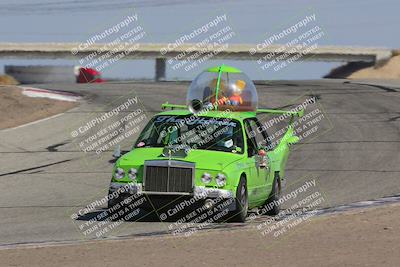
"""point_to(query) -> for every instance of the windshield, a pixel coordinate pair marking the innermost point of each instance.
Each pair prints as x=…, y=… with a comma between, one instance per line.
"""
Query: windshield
x=193, y=132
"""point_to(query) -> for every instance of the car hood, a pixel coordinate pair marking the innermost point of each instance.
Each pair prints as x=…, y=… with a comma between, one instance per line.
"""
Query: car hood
x=204, y=159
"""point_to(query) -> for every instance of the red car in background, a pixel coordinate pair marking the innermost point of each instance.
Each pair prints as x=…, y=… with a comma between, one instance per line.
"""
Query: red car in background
x=89, y=75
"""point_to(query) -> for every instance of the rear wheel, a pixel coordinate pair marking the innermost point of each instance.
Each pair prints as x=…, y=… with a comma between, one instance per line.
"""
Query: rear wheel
x=271, y=204
x=242, y=202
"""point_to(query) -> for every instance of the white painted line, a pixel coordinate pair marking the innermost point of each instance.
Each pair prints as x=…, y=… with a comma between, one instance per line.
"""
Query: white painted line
x=31, y=123
x=56, y=95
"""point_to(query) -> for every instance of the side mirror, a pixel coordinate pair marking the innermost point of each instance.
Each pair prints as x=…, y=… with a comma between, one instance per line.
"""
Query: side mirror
x=293, y=140
x=262, y=158
x=117, y=152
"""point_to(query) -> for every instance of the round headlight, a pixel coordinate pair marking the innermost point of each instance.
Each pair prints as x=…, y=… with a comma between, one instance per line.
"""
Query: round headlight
x=206, y=178
x=132, y=174
x=220, y=179
x=119, y=173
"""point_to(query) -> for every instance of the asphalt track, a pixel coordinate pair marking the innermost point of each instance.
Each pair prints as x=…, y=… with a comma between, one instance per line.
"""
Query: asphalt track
x=45, y=177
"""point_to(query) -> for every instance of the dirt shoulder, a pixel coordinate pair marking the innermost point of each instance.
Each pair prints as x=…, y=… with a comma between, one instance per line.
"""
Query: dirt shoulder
x=17, y=109
x=368, y=237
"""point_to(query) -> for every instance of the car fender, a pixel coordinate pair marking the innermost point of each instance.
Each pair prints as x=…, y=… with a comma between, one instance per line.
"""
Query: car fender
x=233, y=173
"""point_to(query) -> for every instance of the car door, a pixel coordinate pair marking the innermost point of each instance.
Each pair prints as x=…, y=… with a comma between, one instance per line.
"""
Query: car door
x=258, y=172
x=264, y=143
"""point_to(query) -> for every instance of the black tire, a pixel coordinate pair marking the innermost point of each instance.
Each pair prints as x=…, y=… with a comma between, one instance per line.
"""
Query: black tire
x=274, y=196
x=242, y=201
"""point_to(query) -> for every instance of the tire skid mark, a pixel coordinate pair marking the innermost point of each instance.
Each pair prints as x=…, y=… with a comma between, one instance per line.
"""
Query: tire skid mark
x=35, y=168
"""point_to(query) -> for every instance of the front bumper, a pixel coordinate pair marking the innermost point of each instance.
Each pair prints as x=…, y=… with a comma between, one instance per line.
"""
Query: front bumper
x=198, y=192
x=200, y=195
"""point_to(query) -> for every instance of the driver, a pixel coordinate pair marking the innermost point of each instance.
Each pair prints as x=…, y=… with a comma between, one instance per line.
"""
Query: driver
x=210, y=91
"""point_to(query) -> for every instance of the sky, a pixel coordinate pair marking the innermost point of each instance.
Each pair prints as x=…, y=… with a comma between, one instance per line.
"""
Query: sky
x=346, y=23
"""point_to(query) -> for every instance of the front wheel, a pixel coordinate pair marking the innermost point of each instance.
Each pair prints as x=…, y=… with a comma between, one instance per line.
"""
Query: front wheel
x=114, y=201
x=242, y=202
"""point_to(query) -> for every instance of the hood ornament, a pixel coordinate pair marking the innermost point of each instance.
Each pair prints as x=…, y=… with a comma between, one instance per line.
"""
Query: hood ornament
x=177, y=151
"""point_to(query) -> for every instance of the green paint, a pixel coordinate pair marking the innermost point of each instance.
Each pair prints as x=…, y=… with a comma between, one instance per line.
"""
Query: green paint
x=217, y=89
x=224, y=68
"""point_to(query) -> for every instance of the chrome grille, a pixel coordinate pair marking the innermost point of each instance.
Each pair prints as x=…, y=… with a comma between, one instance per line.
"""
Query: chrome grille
x=168, y=176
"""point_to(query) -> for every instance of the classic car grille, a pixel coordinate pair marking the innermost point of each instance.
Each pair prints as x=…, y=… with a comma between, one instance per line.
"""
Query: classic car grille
x=161, y=177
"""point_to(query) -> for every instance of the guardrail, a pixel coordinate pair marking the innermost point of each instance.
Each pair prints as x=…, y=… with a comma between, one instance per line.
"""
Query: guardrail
x=231, y=51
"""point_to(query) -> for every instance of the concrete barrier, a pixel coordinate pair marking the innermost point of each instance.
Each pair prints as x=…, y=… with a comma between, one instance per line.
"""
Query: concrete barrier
x=41, y=74
x=231, y=52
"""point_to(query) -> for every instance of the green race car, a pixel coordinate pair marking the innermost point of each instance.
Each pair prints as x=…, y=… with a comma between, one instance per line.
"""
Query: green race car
x=211, y=150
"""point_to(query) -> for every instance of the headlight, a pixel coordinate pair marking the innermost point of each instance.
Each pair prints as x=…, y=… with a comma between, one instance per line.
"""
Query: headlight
x=206, y=178
x=220, y=179
x=132, y=174
x=119, y=173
